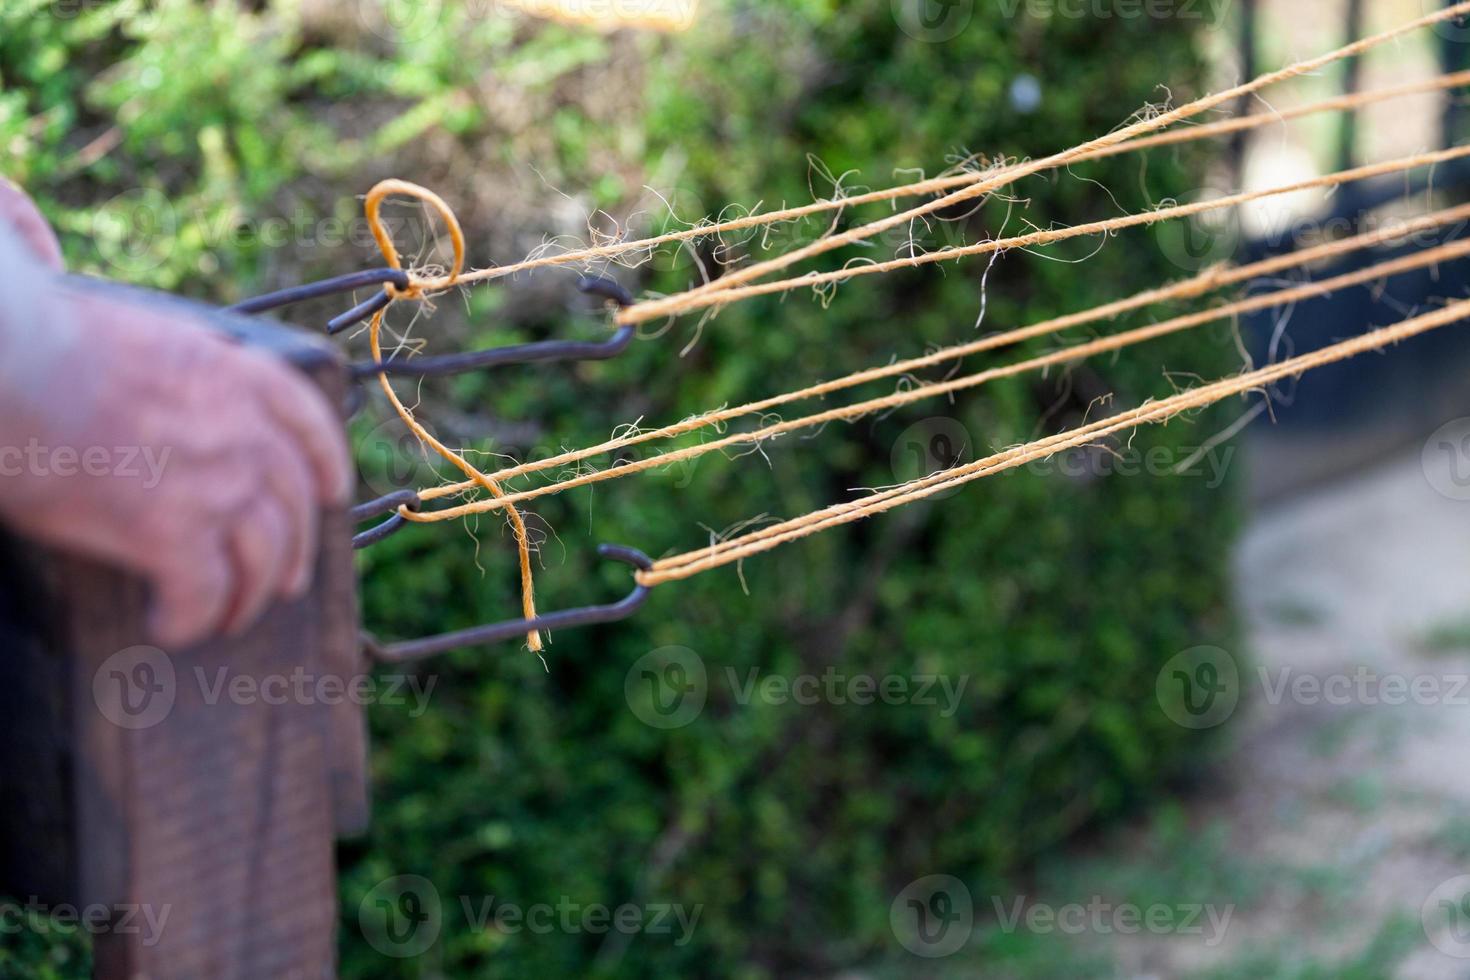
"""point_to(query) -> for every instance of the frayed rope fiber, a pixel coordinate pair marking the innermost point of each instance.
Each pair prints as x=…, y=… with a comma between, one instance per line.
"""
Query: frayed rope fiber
x=955, y=188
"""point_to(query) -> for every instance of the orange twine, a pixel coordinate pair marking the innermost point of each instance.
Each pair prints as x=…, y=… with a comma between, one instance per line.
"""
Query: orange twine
x=417, y=288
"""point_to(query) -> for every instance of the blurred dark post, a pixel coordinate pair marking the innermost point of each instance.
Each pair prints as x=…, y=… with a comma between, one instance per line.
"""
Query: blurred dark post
x=1455, y=56
x=191, y=797
x=1247, y=44
x=1352, y=81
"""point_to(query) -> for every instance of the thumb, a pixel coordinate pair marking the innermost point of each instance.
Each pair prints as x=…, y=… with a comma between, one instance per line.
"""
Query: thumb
x=20, y=213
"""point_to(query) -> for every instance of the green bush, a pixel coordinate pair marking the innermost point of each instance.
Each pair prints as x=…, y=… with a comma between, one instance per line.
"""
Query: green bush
x=791, y=828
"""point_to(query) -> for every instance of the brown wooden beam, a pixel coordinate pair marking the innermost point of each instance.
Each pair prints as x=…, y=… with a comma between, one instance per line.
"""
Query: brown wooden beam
x=201, y=789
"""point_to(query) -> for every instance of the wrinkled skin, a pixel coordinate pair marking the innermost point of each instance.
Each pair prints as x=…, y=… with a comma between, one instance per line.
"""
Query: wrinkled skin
x=135, y=437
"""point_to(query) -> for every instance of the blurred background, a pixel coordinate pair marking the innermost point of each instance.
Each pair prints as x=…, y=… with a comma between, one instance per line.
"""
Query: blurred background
x=1036, y=799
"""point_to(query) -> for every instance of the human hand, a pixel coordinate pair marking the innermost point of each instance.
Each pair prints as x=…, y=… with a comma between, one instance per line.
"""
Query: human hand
x=158, y=446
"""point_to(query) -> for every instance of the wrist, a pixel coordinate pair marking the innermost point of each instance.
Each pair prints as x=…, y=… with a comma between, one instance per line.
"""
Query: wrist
x=38, y=337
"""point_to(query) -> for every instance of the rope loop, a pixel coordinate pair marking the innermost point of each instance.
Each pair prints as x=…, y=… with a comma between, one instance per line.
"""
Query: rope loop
x=418, y=289
x=418, y=286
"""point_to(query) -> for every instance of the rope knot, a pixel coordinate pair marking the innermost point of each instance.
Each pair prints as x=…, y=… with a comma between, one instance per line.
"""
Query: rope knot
x=413, y=291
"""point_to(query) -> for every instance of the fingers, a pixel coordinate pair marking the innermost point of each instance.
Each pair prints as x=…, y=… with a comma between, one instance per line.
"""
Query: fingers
x=290, y=483
x=21, y=214
x=303, y=411
x=269, y=550
x=189, y=603
x=260, y=546
x=258, y=452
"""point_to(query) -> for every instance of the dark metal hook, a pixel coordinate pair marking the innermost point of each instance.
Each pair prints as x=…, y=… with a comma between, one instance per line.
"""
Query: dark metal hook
x=499, y=632
x=542, y=351
x=360, y=312
x=454, y=364
x=389, y=503
x=326, y=287
x=428, y=367
x=546, y=350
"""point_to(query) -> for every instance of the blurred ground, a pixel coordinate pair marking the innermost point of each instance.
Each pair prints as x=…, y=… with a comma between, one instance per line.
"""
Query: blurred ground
x=1335, y=813
x=1363, y=581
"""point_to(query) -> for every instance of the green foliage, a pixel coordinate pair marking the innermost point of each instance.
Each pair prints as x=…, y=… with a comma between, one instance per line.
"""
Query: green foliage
x=789, y=827
x=35, y=946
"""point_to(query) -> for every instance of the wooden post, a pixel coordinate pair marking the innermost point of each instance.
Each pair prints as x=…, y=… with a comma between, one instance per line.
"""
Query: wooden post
x=193, y=794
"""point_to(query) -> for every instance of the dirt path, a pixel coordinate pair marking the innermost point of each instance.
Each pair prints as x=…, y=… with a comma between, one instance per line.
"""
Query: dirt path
x=1348, y=781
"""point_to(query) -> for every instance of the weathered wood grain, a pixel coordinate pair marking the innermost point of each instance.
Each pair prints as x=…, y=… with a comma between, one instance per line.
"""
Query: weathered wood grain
x=205, y=785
